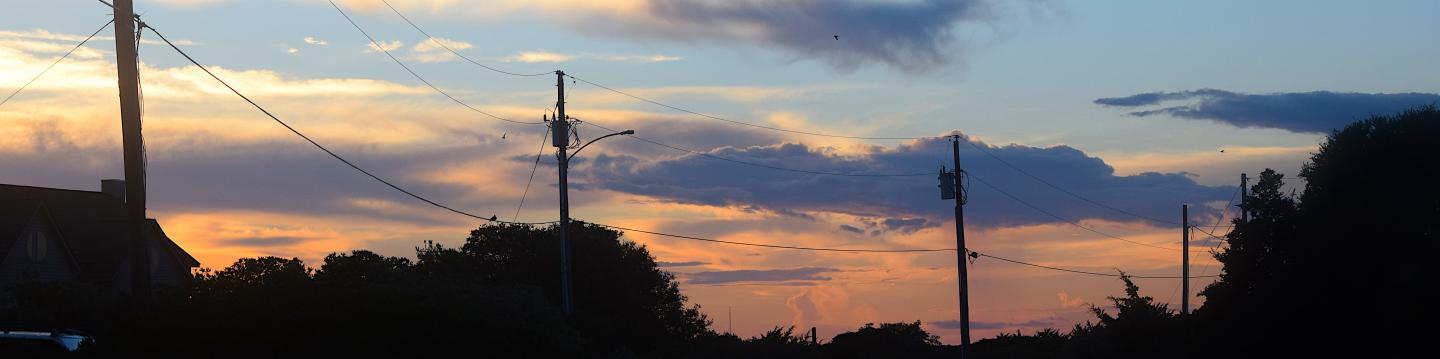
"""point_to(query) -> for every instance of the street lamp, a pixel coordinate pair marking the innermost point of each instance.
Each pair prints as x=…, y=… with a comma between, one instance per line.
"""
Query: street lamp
x=561, y=127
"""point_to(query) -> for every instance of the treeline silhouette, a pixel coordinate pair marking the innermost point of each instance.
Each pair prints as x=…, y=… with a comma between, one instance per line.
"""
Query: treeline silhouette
x=1342, y=267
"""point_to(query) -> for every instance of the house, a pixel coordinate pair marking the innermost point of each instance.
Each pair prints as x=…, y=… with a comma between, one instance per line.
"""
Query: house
x=73, y=236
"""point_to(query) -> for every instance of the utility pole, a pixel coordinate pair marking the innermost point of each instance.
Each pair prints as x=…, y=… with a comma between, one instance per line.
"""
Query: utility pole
x=560, y=127
x=951, y=187
x=133, y=142
x=1244, y=187
x=1185, y=259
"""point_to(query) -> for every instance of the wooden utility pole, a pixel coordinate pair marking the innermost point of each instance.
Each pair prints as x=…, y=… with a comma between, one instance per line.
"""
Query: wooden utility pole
x=1244, y=188
x=560, y=126
x=1185, y=259
x=133, y=141
x=961, y=251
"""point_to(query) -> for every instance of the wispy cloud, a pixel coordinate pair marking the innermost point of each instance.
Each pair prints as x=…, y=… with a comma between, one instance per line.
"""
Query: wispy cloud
x=315, y=41
x=546, y=56
x=292, y=51
x=759, y=275
x=637, y=58
x=538, y=56
x=664, y=264
x=384, y=46
x=42, y=34
x=433, y=50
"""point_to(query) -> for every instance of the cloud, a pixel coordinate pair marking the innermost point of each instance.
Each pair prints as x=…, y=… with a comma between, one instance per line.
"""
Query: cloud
x=1307, y=112
x=637, y=58
x=664, y=264
x=904, y=204
x=433, y=50
x=315, y=41
x=1066, y=301
x=912, y=36
x=759, y=275
x=264, y=241
x=537, y=56
x=384, y=46
x=190, y=2
x=292, y=50
x=540, y=56
x=46, y=35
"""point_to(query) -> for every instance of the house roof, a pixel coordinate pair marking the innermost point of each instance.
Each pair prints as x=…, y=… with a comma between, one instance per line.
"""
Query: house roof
x=14, y=216
x=92, y=224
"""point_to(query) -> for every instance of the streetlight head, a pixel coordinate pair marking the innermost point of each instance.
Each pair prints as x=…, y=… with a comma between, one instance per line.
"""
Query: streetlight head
x=627, y=132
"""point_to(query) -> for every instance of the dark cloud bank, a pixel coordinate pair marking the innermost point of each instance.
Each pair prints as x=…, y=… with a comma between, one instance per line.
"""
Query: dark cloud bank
x=1311, y=112
x=901, y=204
x=806, y=274
x=912, y=36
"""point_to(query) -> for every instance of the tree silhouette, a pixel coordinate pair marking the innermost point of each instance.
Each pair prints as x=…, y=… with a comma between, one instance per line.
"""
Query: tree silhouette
x=623, y=301
x=893, y=340
x=1349, y=257
x=1371, y=223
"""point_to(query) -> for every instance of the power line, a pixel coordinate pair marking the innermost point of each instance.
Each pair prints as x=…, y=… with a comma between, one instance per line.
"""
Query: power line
x=877, y=251
x=818, y=249
x=1221, y=240
x=1078, y=271
x=677, y=108
x=1223, y=213
x=417, y=76
x=742, y=123
x=321, y=147
x=778, y=168
x=447, y=47
x=1063, y=219
x=543, y=139
x=1058, y=188
x=57, y=62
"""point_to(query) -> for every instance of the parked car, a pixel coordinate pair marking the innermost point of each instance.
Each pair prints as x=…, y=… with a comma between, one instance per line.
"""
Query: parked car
x=23, y=344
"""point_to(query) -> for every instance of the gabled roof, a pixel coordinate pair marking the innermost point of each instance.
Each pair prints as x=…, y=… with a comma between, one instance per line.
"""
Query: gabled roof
x=14, y=216
x=91, y=223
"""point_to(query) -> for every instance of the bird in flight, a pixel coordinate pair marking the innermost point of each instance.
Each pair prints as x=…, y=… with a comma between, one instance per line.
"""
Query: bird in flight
x=502, y=136
x=1222, y=150
x=493, y=218
x=837, y=37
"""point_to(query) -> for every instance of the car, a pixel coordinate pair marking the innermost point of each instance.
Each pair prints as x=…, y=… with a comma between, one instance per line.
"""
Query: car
x=15, y=344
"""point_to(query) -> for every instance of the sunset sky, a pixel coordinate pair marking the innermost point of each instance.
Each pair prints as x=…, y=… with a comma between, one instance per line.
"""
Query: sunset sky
x=1124, y=103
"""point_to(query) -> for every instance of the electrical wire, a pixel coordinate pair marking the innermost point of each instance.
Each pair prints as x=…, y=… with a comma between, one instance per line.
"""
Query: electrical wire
x=457, y=53
x=1223, y=213
x=817, y=249
x=1063, y=219
x=57, y=62
x=417, y=76
x=1206, y=268
x=778, y=168
x=543, y=140
x=1078, y=271
x=879, y=251
x=322, y=147
x=743, y=123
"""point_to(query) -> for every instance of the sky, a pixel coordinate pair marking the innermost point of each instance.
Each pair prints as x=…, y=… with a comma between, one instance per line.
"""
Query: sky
x=1125, y=105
